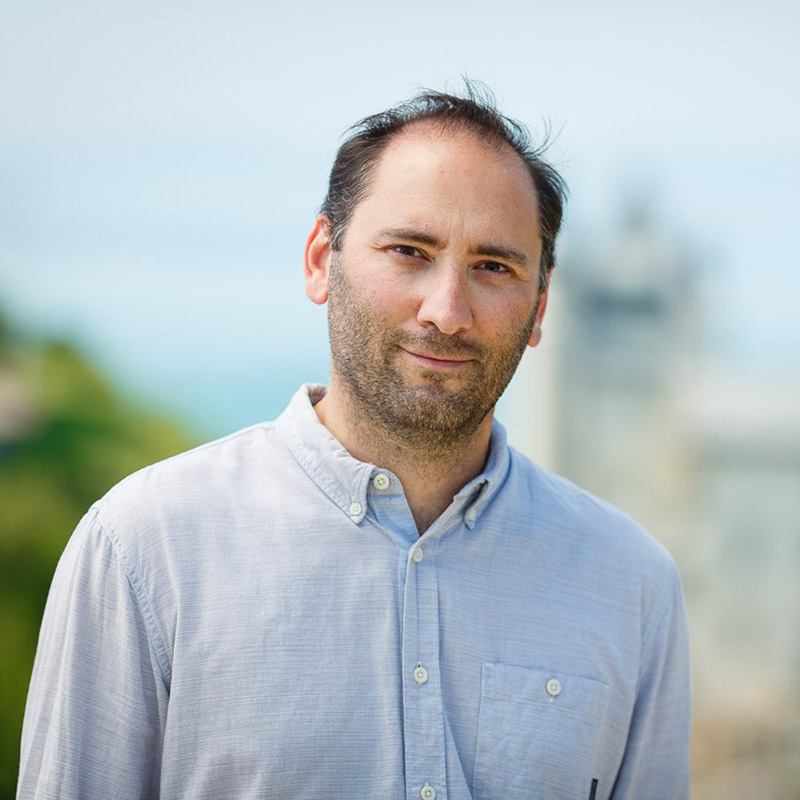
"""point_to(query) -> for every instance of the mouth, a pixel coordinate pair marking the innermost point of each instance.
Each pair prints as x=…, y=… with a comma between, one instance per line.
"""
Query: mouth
x=437, y=362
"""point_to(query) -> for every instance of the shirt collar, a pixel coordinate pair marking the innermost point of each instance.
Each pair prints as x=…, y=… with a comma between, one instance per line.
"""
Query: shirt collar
x=346, y=481
x=481, y=490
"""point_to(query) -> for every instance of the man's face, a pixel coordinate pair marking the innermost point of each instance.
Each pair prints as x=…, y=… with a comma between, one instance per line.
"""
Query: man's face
x=434, y=293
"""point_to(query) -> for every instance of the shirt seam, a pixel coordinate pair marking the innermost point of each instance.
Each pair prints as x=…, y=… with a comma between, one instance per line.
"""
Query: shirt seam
x=137, y=592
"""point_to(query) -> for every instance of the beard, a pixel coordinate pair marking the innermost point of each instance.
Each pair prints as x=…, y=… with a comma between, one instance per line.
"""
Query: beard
x=436, y=409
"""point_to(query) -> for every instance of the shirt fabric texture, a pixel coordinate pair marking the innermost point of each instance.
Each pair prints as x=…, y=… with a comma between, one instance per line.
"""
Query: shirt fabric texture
x=258, y=618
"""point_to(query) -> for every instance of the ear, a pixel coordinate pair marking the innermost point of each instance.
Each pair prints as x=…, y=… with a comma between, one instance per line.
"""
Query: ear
x=536, y=332
x=317, y=261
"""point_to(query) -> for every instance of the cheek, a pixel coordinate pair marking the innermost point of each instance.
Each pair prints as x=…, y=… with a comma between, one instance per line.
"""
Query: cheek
x=390, y=298
x=505, y=315
x=372, y=292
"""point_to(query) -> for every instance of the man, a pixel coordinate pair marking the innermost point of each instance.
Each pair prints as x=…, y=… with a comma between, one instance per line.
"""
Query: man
x=374, y=596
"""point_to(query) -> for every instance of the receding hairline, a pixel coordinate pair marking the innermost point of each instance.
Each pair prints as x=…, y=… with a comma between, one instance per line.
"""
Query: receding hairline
x=447, y=128
x=434, y=127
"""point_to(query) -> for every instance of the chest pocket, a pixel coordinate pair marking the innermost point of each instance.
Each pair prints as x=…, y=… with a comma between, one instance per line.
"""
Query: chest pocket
x=538, y=734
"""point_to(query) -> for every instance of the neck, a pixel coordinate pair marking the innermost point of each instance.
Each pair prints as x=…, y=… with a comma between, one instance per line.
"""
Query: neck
x=431, y=468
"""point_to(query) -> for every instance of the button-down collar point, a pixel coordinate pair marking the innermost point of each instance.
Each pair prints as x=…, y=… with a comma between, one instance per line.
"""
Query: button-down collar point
x=355, y=509
x=381, y=481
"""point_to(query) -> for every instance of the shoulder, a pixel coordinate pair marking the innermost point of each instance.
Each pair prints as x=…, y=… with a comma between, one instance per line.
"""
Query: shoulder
x=195, y=484
x=586, y=528
x=557, y=501
x=228, y=453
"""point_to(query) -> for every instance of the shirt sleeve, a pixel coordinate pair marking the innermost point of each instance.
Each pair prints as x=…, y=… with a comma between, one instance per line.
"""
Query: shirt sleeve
x=97, y=702
x=657, y=754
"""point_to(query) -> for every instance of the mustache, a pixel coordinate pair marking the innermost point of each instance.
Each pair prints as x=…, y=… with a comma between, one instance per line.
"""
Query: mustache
x=440, y=345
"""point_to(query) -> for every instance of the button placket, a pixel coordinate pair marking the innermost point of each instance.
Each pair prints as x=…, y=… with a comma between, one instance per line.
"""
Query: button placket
x=422, y=698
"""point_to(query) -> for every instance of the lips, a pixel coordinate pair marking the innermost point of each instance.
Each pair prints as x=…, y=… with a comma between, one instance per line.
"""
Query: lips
x=437, y=361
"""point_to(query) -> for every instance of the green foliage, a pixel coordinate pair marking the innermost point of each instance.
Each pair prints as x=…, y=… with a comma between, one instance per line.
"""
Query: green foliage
x=77, y=439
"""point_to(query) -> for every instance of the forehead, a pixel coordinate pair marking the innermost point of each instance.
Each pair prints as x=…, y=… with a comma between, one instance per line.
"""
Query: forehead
x=427, y=176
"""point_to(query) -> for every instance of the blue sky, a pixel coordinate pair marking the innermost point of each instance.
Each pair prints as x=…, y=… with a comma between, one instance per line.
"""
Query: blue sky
x=161, y=163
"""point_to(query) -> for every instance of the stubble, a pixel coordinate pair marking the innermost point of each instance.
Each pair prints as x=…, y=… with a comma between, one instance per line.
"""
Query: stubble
x=435, y=412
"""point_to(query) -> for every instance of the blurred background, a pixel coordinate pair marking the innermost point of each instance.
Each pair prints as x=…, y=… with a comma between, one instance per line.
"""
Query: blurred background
x=162, y=163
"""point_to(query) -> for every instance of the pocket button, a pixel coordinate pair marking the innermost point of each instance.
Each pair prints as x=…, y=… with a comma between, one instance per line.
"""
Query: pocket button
x=553, y=687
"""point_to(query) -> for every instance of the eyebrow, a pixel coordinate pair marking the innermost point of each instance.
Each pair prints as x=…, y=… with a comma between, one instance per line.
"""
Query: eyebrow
x=489, y=249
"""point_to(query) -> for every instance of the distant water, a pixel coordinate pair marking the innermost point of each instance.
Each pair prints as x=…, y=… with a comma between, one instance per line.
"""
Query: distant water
x=216, y=405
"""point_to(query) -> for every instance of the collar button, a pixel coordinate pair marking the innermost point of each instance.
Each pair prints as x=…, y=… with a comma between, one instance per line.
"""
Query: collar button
x=381, y=481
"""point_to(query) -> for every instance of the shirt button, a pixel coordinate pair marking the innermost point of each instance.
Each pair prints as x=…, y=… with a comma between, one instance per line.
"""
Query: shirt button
x=471, y=514
x=355, y=509
x=416, y=555
x=427, y=792
x=553, y=687
x=421, y=675
x=381, y=481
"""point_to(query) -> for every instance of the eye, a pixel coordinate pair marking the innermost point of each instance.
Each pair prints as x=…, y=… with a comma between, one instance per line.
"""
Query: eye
x=495, y=267
x=406, y=250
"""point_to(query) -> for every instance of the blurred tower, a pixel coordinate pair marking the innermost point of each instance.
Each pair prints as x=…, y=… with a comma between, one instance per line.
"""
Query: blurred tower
x=627, y=325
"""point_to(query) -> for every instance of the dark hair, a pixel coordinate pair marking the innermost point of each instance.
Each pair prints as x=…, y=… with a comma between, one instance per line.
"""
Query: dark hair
x=476, y=112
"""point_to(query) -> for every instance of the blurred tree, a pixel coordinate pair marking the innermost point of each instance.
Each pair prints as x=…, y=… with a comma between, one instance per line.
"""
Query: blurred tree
x=65, y=439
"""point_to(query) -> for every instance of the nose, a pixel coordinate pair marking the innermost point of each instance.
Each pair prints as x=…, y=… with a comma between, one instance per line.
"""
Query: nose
x=445, y=301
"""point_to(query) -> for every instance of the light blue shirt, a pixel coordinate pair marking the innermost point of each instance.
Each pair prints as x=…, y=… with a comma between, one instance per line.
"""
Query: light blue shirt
x=258, y=618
